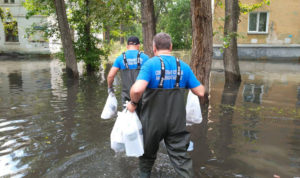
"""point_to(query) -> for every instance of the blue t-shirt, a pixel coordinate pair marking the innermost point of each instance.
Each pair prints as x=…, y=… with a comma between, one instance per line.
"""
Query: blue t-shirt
x=151, y=70
x=131, y=57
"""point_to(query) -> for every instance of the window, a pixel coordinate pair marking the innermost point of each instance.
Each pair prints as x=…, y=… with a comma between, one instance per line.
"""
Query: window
x=9, y=1
x=11, y=32
x=37, y=33
x=258, y=22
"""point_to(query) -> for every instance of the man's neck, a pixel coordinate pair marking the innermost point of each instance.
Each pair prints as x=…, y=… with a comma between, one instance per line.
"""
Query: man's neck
x=163, y=52
x=132, y=48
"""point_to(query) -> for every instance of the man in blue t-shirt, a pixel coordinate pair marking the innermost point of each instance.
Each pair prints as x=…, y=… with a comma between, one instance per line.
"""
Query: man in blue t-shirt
x=129, y=64
x=162, y=82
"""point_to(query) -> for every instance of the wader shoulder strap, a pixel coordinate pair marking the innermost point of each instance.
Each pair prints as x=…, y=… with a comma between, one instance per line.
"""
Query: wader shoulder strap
x=178, y=73
x=162, y=74
x=125, y=61
x=139, y=60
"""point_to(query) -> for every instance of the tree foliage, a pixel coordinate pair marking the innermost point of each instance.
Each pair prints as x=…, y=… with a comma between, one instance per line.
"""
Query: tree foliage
x=87, y=19
x=8, y=21
x=246, y=8
x=5, y=15
x=2, y=14
x=175, y=19
x=171, y=16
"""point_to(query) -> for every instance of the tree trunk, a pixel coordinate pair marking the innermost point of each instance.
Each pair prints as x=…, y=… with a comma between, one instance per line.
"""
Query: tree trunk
x=230, y=58
x=122, y=35
x=87, y=33
x=69, y=53
x=106, y=34
x=201, y=60
x=148, y=24
x=202, y=43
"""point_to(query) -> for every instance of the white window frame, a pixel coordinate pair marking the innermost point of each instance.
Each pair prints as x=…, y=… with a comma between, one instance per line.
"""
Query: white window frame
x=257, y=23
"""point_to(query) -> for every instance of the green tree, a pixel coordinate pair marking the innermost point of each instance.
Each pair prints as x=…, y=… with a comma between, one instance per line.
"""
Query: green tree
x=148, y=25
x=87, y=18
x=202, y=45
x=69, y=53
x=6, y=16
x=230, y=56
x=176, y=20
x=2, y=14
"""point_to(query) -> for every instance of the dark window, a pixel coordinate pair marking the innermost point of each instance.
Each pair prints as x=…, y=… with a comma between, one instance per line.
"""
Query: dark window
x=252, y=23
x=262, y=26
x=11, y=32
x=258, y=22
x=9, y=1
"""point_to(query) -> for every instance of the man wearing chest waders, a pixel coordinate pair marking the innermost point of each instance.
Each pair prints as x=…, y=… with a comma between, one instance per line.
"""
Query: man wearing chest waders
x=162, y=81
x=129, y=63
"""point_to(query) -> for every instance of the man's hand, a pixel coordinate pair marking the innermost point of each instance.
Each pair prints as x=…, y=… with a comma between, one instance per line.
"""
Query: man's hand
x=131, y=107
x=110, y=90
x=111, y=75
x=136, y=92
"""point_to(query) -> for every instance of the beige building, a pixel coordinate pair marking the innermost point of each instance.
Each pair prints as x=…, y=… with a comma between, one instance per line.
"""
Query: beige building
x=274, y=28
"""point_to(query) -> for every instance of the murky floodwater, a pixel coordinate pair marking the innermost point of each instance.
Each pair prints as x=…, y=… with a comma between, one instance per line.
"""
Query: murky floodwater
x=50, y=126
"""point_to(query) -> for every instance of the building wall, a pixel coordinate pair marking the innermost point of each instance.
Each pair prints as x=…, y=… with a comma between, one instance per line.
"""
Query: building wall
x=283, y=26
x=24, y=45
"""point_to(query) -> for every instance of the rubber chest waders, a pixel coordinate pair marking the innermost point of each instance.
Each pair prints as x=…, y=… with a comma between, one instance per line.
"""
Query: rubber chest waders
x=163, y=117
x=128, y=77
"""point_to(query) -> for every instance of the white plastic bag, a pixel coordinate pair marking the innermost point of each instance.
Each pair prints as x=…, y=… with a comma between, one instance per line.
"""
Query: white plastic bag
x=133, y=134
x=193, y=109
x=116, y=135
x=127, y=134
x=110, y=108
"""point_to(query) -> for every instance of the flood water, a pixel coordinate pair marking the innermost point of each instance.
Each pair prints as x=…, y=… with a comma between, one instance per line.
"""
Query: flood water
x=50, y=126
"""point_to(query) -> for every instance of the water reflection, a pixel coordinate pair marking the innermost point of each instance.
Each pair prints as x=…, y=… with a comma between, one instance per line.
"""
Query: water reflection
x=39, y=127
x=201, y=152
x=294, y=142
x=15, y=81
x=261, y=124
x=224, y=140
x=253, y=93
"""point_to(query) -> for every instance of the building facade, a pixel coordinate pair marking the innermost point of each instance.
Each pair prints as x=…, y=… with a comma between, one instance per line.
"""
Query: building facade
x=269, y=31
x=18, y=40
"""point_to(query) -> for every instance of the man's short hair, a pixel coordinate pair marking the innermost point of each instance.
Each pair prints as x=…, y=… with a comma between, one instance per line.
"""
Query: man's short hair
x=162, y=41
x=133, y=40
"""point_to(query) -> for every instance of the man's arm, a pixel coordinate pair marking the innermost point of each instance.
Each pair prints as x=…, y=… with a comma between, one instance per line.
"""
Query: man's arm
x=193, y=83
x=111, y=75
x=199, y=90
x=136, y=92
